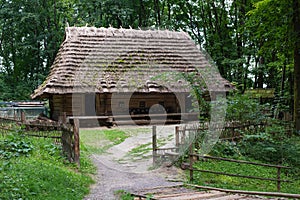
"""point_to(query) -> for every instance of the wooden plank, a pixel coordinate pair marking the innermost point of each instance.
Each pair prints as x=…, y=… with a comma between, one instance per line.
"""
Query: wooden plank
x=172, y=153
x=175, y=195
x=151, y=115
x=89, y=117
x=233, y=197
x=143, y=122
x=192, y=195
x=163, y=187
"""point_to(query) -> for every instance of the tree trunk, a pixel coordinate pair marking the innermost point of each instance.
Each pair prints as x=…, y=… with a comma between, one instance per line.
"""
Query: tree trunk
x=296, y=22
x=157, y=10
x=283, y=79
x=260, y=75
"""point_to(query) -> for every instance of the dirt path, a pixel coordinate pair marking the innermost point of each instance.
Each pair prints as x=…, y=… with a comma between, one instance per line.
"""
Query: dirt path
x=119, y=170
x=128, y=166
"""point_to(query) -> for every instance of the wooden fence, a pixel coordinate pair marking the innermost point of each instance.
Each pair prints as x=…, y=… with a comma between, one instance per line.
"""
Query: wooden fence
x=193, y=157
x=62, y=132
x=234, y=132
x=228, y=130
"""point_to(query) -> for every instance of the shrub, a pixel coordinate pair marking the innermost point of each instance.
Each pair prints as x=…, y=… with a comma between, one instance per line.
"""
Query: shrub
x=242, y=108
x=15, y=146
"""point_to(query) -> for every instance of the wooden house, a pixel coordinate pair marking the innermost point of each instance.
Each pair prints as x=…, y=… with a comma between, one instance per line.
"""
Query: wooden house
x=107, y=71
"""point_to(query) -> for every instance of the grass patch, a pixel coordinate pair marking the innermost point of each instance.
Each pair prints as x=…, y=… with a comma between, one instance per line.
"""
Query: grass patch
x=99, y=141
x=32, y=168
x=223, y=181
x=116, y=136
x=124, y=195
x=140, y=151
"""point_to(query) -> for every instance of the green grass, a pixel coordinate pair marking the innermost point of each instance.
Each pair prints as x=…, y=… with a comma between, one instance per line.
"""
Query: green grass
x=140, y=151
x=32, y=168
x=98, y=141
x=228, y=182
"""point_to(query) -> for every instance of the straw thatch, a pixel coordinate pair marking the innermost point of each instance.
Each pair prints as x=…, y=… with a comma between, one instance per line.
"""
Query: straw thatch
x=106, y=60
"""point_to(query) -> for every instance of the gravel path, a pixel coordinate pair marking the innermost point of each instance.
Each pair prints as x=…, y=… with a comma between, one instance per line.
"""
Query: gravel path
x=110, y=180
x=118, y=171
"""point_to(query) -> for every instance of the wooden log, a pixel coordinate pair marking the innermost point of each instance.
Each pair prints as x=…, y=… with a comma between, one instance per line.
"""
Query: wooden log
x=177, y=136
x=23, y=117
x=154, y=144
x=242, y=161
x=76, y=142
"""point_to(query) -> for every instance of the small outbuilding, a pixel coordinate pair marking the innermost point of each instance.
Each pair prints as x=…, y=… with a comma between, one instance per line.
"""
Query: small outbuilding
x=111, y=72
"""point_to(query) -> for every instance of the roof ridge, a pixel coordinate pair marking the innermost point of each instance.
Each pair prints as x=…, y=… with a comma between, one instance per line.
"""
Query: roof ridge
x=122, y=32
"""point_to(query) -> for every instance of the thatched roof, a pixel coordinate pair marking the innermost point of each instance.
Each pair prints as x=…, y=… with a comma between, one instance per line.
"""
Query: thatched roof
x=124, y=60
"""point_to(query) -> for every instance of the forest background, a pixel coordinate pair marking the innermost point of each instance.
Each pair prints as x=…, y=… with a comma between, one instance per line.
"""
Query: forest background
x=254, y=43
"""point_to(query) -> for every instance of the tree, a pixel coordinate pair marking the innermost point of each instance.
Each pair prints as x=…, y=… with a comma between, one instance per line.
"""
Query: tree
x=275, y=25
x=30, y=34
x=296, y=29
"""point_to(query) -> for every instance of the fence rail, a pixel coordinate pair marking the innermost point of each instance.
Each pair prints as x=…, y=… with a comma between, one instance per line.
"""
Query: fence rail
x=278, y=179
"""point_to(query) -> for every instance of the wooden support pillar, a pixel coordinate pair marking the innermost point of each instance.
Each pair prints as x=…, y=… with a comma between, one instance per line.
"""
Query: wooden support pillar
x=23, y=117
x=15, y=114
x=76, y=142
x=177, y=136
x=183, y=136
x=154, y=144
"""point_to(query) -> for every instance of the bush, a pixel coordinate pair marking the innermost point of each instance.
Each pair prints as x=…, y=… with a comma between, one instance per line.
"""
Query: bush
x=33, y=168
x=268, y=150
x=242, y=108
x=15, y=146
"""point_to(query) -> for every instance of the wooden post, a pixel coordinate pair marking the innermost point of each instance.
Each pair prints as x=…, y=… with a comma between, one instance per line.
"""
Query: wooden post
x=183, y=136
x=177, y=136
x=191, y=162
x=278, y=179
x=76, y=142
x=15, y=115
x=154, y=144
x=62, y=118
x=23, y=117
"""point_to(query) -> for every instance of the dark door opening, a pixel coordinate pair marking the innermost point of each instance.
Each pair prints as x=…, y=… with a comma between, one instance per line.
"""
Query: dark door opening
x=90, y=105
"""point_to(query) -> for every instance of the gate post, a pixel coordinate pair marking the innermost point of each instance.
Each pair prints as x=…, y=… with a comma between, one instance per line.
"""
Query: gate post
x=23, y=117
x=76, y=142
x=154, y=144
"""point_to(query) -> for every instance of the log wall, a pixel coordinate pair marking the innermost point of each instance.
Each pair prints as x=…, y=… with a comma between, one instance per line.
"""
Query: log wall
x=72, y=105
x=117, y=104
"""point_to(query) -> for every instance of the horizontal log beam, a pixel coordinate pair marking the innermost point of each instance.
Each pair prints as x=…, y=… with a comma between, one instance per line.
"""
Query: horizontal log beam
x=241, y=161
